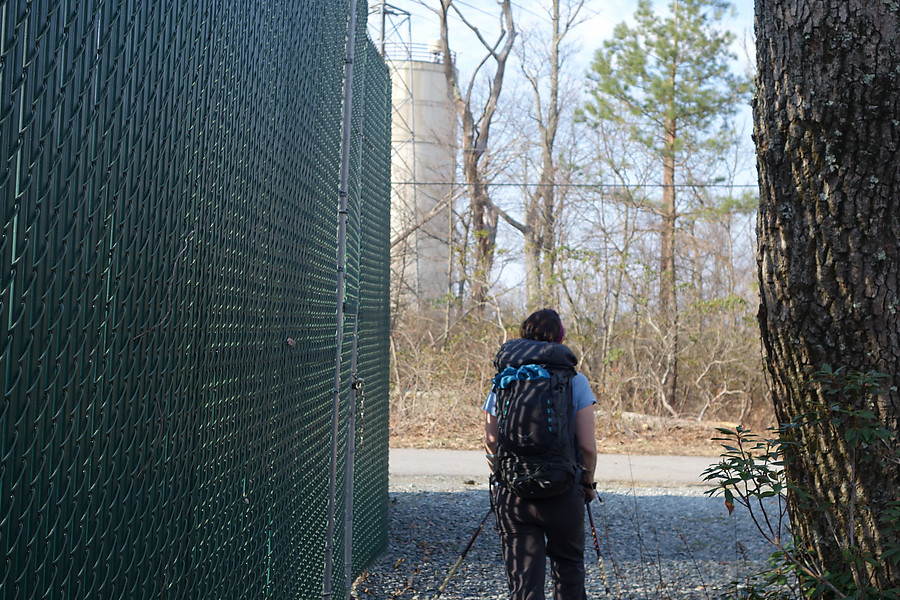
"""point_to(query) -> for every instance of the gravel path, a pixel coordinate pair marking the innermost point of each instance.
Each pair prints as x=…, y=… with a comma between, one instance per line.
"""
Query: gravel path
x=656, y=543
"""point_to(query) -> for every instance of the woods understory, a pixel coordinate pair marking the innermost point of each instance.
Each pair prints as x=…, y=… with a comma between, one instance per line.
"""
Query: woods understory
x=438, y=385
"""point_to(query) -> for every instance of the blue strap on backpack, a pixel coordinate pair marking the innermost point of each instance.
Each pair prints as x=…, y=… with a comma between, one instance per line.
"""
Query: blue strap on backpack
x=503, y=379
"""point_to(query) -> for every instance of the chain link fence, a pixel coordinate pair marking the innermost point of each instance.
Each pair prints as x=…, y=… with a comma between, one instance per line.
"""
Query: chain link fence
x=167, y=283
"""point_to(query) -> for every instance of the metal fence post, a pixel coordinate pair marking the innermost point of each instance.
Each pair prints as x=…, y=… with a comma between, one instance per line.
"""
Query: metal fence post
x=349, y=465
x=343, y=192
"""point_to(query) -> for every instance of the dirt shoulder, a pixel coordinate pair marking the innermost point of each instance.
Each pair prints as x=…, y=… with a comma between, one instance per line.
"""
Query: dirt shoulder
x=626, y=433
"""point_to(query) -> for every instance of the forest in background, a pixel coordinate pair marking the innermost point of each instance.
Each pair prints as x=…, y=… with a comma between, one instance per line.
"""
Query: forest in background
x=617, y=194
x=629, y=215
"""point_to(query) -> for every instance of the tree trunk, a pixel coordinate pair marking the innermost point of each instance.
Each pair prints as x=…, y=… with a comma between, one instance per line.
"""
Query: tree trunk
x=484, y=226
x=533, y=297
x=475, y=135
x=668, y=301
x=542, y=208
x=615, y=289
x=540, y=237
x=827, y=130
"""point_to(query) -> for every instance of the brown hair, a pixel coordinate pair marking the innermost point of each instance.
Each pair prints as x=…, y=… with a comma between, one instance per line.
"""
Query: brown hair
x=543, y=325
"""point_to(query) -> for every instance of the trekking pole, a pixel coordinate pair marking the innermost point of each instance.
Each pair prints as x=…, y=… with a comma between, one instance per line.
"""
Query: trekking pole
x=587, y=506
x=463, y=555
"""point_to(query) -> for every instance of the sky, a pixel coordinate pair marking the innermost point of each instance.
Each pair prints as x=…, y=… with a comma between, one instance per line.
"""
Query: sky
x=600, y=19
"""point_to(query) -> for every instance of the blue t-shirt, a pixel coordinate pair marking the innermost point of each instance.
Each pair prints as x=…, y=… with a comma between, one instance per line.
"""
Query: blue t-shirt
x=582, y=395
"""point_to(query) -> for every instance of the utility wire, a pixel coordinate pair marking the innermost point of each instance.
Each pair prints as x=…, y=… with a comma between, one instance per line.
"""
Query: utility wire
x=481, y=10
x=542, y=17
x=588, y=185
x=531, y=12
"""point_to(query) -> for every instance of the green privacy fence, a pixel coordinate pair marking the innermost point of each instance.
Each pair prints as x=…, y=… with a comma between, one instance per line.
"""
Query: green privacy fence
x=168, y=286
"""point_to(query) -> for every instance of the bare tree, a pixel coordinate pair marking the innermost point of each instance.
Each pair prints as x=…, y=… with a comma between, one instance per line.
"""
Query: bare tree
x=599, y=234
x=541, y=67
x=476, y=130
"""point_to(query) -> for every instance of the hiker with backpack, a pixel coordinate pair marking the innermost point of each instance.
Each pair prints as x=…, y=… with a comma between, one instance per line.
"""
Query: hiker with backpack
x=539, y=441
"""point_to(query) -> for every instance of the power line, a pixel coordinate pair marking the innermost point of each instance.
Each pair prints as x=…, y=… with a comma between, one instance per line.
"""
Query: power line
x=589, y=12
x=531, y=12
x=476, y=8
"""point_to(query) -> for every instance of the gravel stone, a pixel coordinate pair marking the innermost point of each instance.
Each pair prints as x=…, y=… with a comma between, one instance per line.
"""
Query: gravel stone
x=655, y=542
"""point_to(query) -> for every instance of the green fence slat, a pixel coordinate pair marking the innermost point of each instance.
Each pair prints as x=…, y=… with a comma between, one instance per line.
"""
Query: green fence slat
x=167, y=283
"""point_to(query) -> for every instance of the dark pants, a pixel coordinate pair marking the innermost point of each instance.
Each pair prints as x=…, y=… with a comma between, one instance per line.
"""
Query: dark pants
x=531, y=531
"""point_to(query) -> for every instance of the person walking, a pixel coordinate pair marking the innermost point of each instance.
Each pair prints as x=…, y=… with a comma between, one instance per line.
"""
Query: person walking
x=539, y=508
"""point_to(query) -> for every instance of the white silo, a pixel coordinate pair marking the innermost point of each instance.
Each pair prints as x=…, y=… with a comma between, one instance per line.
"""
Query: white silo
x=423, y=139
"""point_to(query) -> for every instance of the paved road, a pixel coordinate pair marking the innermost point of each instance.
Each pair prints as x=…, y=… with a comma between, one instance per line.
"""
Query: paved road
x=415, y=466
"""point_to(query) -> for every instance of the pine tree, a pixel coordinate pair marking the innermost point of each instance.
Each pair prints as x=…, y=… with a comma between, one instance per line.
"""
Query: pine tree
x=668, y=81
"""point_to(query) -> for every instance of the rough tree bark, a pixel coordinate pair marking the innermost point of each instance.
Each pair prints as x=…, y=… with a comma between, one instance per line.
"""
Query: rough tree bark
x=827, y=130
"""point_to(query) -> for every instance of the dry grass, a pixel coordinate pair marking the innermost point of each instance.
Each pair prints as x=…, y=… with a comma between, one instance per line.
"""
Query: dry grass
x=439, y=421
x=444, y=380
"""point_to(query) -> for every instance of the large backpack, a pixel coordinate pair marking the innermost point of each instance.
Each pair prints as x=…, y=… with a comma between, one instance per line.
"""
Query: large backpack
x=536, y=454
